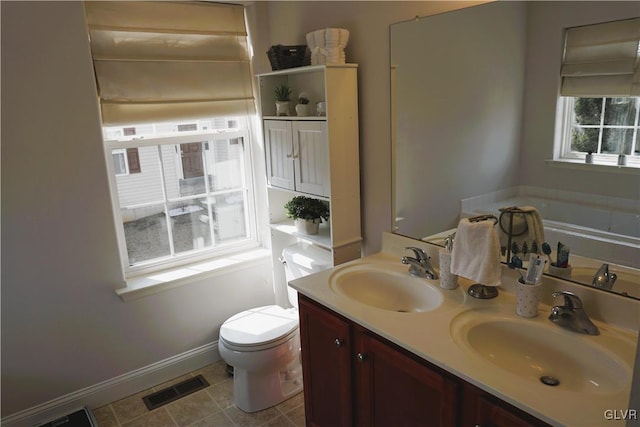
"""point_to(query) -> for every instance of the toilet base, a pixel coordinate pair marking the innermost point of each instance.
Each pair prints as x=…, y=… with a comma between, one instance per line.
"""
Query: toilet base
x=255, y=391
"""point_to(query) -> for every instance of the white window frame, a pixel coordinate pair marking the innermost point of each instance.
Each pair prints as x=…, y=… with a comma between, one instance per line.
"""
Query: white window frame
x=122, y=152
x=566, y=105
x=175, y=261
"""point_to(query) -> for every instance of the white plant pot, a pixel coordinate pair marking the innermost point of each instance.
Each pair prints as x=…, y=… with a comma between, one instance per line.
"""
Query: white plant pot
x=307, y=226
x=302, y=110
x=282, y=108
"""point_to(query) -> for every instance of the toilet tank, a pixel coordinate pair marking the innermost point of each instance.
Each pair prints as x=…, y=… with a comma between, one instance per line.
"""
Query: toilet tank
x=302, y=259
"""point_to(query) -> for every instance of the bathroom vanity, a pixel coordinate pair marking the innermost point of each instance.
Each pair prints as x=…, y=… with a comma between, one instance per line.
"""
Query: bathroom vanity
x=375, y=353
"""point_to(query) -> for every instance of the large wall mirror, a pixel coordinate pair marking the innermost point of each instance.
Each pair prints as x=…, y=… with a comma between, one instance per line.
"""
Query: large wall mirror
x=474, y=98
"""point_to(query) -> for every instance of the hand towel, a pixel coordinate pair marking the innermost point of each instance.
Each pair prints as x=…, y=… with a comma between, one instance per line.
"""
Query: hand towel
x=531, y=218
x=476, y=252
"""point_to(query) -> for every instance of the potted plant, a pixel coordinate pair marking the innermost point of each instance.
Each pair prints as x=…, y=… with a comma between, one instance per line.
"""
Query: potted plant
x=307, y=213
x=302, y=108
x=283, y=97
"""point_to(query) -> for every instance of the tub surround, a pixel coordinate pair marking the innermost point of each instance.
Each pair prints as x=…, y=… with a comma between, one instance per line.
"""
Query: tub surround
x=428, y=335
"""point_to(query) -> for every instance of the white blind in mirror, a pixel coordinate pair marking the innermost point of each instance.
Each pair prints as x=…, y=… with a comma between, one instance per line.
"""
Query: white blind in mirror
x=158, y=61
x=602, y=60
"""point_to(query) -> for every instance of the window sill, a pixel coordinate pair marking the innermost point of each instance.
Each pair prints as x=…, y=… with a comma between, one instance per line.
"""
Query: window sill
x=593, y=167
x=152, y=283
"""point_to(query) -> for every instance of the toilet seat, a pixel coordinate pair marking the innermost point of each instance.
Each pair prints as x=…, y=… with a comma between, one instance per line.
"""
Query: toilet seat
x=259, y=328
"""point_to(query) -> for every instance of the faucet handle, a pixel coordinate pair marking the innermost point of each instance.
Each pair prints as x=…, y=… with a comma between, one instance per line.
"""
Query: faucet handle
x=419, y=253
x=571, y=300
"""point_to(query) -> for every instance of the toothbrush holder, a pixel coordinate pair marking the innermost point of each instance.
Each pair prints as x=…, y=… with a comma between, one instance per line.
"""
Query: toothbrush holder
x=447, y=279
x=527, y=299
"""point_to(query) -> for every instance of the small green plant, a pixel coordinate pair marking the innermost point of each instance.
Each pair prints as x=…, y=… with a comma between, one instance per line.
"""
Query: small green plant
x=283, y=92
x=303, y=99
x=303, y=207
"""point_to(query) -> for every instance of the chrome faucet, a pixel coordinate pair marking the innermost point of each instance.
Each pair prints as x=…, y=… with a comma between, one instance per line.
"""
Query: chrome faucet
x=603, y=279
x=571, y=315
x=420, y=265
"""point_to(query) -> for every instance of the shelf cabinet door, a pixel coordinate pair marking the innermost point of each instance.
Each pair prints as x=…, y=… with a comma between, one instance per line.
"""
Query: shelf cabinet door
x=394, y=389
x=279, y=152
x=326, y=362
x=311, y=157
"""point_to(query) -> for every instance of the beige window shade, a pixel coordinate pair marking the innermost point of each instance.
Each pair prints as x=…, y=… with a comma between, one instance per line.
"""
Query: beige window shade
x=602, y=60
x=157, y=61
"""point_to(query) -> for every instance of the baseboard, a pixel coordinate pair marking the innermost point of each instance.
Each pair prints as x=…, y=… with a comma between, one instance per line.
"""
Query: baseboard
x=116, y=388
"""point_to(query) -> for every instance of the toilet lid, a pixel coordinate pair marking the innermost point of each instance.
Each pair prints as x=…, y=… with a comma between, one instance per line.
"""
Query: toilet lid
x=260, y=325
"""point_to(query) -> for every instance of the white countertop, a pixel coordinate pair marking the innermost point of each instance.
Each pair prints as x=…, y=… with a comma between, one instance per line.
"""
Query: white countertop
x=427, y=334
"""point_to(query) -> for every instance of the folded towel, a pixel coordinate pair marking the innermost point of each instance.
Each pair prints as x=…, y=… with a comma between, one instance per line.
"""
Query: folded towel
x=476, y=252
x=530, y=221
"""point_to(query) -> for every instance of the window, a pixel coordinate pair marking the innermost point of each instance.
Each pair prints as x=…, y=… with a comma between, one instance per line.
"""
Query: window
x=192, y=197
x=176, y=98
x=600, y=92
x=607, y=126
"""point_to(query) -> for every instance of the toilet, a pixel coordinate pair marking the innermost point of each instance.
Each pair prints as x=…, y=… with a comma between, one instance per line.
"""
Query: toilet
x=263, y=344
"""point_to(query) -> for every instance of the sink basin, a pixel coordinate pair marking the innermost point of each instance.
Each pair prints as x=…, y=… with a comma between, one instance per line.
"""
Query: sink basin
x=385, y=288
x=547, y=354
x=625, y=283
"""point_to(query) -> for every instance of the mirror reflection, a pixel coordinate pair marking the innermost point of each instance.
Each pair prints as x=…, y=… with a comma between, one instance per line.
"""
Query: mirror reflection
x=477, y=120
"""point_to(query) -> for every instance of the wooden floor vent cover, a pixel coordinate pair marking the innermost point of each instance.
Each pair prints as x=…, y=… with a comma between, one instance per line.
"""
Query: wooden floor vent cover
x=175, y=392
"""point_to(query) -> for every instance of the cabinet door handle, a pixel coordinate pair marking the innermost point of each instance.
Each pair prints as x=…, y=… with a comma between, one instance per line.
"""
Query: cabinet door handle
x=361, y=357
x=338, y=342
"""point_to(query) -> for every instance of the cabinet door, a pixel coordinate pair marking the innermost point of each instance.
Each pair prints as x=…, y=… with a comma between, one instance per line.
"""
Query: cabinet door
x=326, y=364
x=394, y=389
x=482, y=409
x=311, y=154
x=279, y=153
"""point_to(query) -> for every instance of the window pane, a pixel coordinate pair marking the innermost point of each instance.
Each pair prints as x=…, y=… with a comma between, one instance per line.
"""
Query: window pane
x=620, y=111
x=588, y=111
x=228, y=210
x=145, y=230
x=584, y=140
x=225, y=164
x=183, y=169
x=145, y=187
x=617, y=141
x=190, y=226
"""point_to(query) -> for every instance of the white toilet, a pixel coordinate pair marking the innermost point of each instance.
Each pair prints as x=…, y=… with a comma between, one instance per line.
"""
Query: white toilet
x=263, y=344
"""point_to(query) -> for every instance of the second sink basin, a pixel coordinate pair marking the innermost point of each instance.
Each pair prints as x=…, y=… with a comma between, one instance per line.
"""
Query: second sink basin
x=385, y=288
x=547, y=354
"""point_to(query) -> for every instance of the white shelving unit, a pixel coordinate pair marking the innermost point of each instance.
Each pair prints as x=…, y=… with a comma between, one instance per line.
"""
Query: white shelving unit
x=323, y=159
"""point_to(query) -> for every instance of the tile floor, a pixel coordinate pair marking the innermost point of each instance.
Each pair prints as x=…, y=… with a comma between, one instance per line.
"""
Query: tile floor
x=210, y=407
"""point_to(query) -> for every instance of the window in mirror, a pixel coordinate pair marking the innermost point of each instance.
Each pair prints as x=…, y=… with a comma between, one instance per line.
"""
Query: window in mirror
x=600, y=92
x=604, y=126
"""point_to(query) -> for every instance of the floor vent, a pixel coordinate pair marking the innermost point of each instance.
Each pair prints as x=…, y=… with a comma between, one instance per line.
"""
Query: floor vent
x=175, y=392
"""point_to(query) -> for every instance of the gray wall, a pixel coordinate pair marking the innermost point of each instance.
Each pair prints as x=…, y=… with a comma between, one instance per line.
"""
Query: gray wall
x=546, y=21
x=63, y=327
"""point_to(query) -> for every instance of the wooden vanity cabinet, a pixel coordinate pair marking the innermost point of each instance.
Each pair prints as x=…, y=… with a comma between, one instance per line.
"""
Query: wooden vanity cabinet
x=392, y=388
x=481, y=409
x=325, y=340
x=353, y=377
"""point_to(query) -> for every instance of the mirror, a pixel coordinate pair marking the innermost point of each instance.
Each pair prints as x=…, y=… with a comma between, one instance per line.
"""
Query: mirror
x=474, y=95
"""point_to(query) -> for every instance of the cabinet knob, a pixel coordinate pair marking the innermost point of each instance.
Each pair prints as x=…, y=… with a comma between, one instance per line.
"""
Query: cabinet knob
x=338, y=342
x=361, y=357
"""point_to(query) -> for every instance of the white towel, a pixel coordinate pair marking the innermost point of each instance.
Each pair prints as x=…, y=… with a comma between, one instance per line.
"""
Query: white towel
x=476, y=252
x=534, y=232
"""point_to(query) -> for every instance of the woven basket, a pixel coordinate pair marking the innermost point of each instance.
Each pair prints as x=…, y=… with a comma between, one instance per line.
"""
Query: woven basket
x=282, y=57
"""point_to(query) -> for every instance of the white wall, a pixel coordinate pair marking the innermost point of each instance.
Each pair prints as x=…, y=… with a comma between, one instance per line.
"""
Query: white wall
x=546, y=21
x=368, y=23
x=63, y=327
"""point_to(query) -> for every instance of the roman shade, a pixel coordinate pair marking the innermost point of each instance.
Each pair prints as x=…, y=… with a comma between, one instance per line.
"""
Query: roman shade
x=159, y=61
x=602, y=60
